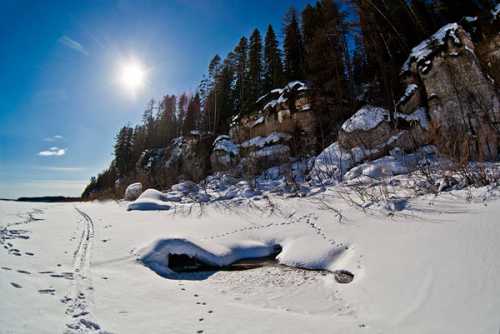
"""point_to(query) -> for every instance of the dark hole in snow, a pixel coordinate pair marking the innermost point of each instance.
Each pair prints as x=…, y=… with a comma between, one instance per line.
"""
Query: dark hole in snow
x=343, y=276
x=182, y=263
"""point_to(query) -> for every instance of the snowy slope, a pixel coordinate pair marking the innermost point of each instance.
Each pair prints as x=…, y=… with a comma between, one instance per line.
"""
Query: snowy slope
x=431, y=268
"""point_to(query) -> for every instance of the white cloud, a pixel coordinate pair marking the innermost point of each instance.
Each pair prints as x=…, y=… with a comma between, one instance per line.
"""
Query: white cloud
x=72, y=44
x=53, y=138
x=53, y=151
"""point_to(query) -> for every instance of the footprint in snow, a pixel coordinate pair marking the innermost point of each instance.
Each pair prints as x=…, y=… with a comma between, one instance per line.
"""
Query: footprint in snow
x=15, y=285
x=47, y=292
x=24, y=272
x=29, y=253
x=6, y=268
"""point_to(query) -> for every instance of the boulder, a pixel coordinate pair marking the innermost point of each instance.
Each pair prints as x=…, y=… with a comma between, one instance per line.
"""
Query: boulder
x=370, y=134
x=133, y=191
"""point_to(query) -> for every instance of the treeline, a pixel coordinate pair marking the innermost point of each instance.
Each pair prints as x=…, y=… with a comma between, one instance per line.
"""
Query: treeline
x=350, y=52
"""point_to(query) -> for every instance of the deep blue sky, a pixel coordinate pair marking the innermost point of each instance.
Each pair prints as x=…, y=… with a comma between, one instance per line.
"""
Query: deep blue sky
x=58, y=86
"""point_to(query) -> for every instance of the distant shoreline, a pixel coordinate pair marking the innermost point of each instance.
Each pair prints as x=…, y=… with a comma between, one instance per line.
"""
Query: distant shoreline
x=44, y=199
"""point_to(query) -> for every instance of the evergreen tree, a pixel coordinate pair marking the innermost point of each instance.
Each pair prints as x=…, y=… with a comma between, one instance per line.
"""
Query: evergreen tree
x=241, y=74
x=326, y=58
x=123, y=151
x=182, y=104
x=192, y=115
x=293, y=46
x=255, y=87
x=273, y=66
x=167, y=127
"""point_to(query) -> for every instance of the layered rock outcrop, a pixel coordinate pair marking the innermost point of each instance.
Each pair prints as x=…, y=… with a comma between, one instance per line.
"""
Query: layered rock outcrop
x=186, y=157
x=450, y=80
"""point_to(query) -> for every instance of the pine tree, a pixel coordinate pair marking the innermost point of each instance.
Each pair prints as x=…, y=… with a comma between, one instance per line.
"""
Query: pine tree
x=123, y=150
x=273, y=66
x=192, y=115
x=182, y=104
x=241, y=74
x=326, y=60
x=255, y=87
x=293, y=46
x=167, y=127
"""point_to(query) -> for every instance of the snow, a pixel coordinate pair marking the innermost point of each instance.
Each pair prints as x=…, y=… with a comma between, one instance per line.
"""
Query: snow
x=133, y=191
x=224, y=143
x=419, y=115
x=259, y=141
x=425, y=49
x=409, y=91
x=332, y=163
x=258, y=121
x=151, y=199
x=365, y=119
x=272, y=151
x=495, y=11
x=421, y=264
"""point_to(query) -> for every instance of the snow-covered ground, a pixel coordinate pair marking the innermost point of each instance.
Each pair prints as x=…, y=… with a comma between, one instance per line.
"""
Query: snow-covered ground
x=427, y=266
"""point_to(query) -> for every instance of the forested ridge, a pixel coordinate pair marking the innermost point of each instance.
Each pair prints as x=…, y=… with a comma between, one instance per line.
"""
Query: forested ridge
x=349, y=52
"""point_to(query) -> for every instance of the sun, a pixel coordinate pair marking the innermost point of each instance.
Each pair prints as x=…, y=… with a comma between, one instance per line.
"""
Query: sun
x=132, y=76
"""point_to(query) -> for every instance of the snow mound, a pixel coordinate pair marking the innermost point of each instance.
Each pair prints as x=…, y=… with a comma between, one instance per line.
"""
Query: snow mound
x=156, y=256
x=133, y=191
x=365, y=119
x=302, y=252
x=151, y=199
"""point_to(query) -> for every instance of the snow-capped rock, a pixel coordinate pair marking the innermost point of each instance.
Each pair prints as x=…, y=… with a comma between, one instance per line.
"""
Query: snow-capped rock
x=133, y=191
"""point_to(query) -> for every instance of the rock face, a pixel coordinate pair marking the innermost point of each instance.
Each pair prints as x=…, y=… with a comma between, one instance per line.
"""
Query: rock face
x=186, y=157
x=225, y=154
x=133, y=191
x=462, y=101
x=286, y=110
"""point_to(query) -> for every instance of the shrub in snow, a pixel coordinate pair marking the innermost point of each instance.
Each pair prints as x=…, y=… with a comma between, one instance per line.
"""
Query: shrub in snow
x=133, y=191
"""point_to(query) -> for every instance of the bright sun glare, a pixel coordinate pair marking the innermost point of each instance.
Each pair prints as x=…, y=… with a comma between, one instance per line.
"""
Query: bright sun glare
x=132, y=76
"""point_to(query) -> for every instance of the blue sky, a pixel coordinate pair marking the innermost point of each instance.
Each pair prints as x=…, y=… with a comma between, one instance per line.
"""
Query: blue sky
x=60, y=105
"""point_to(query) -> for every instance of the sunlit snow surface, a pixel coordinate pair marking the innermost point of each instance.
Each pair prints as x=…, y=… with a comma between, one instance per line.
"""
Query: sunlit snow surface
x=420, y=265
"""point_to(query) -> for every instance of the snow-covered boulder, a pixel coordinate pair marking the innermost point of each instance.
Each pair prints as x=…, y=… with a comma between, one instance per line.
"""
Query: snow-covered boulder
x=133, y=191
x=225, y=154
x=186, y=187
x=331, y=164
x=151, y=199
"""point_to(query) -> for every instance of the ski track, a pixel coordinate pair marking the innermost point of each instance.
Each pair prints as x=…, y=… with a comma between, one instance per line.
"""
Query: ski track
x=81, y=289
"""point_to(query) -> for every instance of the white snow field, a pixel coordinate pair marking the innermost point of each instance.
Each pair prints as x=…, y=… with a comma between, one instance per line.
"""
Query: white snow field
x=429, y=266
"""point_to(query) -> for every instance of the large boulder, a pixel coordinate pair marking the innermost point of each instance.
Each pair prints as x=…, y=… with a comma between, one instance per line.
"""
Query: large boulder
x=370, y=133
x=462, y=101
x=133, y=191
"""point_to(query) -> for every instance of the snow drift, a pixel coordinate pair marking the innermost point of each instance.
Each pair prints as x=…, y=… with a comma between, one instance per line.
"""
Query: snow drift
x=303, y=252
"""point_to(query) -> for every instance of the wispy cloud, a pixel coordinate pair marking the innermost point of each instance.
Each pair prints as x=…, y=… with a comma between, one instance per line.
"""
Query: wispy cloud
x=72, y=44
x=53, y=151
x=61, y=169
x=53, y=138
